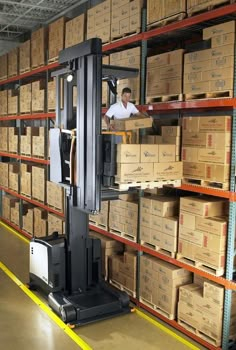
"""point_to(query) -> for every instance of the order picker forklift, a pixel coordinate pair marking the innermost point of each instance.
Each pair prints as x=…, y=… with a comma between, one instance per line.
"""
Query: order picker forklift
x=68, y=267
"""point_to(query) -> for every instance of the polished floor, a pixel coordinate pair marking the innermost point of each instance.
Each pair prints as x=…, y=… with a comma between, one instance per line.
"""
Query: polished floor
x=24, y=325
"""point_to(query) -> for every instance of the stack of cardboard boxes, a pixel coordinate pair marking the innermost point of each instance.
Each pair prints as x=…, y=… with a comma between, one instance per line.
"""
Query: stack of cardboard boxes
x=200, y=310
x=26, y=180
x=99, y=21
x=13, y=140
x=14, y=172
x=28, y=219
x=157, y=10
x=164, y=75
x=40, y=222
x=206, y=149
x=211, y=70
x=38, y=96
x=4, y=139
x=4, y=178
x=198, y=6
x=145, y=162
x=202, y=232
x=159, y=284
x=8, y=202
x=56, y=223
x=56, y=39
x=109, y=247
x=25, y=62
x=75, y=31
x=12, y=101
x=123, y=218
x=25, y=98
x=39, y=44
x=3, y=67
x=3, y=103
x=128, y=58
x=125, y=17
x=39, y=143
x=26, y=139
x=55, y=196
x=13, y=62
x=101, y=219
x=39, y=176
x=159, y=223
x=122, y=270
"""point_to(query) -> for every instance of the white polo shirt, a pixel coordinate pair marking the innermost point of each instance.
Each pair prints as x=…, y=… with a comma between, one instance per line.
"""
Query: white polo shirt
x=118, y=110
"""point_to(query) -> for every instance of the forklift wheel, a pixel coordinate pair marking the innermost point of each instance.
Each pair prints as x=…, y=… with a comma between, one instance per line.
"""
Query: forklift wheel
x=71, y=326
x=132, y=309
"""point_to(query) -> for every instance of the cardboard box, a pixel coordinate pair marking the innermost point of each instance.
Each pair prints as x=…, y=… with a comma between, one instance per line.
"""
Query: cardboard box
x=134, y=172
x=215, y=225
x=149, y=153
x=40, y=222
x=214, y=242
x=187, y=220
x=194, y=170
x=157, y=223
x=164, y=206
x=170, y=226
x=203, y=206
x=221, y=85
x=191, y=235
x=55, y=196
x=165, y=59
x=219, y=29
x=28, y=221
x=26, y=180
x=197, y=67
x=191, y=124
x=14, y=171
x=215, y=124
x=13, y=139
x=167, y=153
x=170, y=271
x=145, y=233
x=173, y=131
x=197, y=88
x=39, y=183
x=188, y=314
x=132, y=123
x=197, y=56
x=217, y=173
x=189, y=293
x=55, y=223
x=168, y=242
x=155, y=238
x=207, y=140
x=128, y=153
x=166, y=302
x=214, y=293
x=214, y=156
x=168, y=171
x=8, y=202
x=222, y=62
x=4, y=178
x=189, y=154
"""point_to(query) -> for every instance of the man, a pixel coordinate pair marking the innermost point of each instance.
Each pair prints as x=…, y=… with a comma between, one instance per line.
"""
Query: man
x=122, y=109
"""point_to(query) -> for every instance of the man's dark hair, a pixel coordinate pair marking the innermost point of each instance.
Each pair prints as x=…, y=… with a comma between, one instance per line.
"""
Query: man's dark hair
x=126, y=90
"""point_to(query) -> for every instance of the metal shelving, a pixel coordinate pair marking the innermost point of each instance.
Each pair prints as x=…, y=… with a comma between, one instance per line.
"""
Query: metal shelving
x=181, y=28
x=30, y=159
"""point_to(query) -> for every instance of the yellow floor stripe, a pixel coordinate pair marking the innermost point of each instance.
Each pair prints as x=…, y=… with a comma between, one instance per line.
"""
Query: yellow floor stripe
x=83, y=345
x=9, y=228
x=57, y=319
x=166, y=330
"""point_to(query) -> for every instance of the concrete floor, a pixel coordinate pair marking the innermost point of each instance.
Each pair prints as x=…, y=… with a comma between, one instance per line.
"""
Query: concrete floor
x=23, y=325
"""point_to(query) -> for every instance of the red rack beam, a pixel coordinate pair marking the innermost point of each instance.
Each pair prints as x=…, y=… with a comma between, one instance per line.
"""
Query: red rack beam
x=29, y=74
x=30, y=116
x=32, y=201
x=31, y=159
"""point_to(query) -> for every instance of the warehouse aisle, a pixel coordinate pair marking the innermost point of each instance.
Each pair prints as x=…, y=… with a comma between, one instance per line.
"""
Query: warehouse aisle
x=24, y=325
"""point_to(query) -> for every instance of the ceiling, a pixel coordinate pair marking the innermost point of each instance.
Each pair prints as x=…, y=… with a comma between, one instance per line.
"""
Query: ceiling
x=18, y=17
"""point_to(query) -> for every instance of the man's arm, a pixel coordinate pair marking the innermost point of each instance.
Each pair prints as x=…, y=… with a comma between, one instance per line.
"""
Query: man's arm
x=137, y=113
x=107, y=121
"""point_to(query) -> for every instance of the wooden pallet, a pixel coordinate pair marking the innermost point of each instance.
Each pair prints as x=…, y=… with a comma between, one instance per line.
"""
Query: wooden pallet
x=209, y=95
x=38, y=157
x=38, y=66
x=208, y=6
x=164, y=98
x=38, y=200
x=38, y=111
x=147, y=184
x=26, y=70
x=200, y=334
x=125, y=35
x=97, y=224
x=123, y=234
x=213, y=270
x=204, y=183
x=55, y=208
x=12, y=75
x=26, y=195
x=53, y=59
x=24, y=113
x=158, y=249
x=123, y=288
x=167, y=20
x=25, y=154
x=157, y=308
x=3, y=78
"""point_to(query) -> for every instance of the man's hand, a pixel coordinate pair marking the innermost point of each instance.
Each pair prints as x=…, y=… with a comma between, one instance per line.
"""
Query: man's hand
x=111, y=127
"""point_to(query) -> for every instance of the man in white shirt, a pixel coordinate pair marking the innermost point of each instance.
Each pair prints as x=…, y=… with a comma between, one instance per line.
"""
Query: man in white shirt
x=122, y=109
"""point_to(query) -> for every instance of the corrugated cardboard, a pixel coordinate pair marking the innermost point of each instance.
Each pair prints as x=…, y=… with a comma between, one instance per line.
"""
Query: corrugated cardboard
x=217, y=124
x=132, y=123
x=219, y=29
x=149, y=153
x=214, y=293
x=168, y=171
x=187, y=220
x=134, y=172
x=203, y=206
x=214, y=156
x=215, y=225
x=128, y=153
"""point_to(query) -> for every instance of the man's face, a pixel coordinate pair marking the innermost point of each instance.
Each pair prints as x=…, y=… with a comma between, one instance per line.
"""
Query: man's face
x=126, y=97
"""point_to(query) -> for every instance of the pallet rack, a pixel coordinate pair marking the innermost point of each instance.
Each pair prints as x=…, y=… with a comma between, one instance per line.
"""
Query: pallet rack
x=178, y=29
